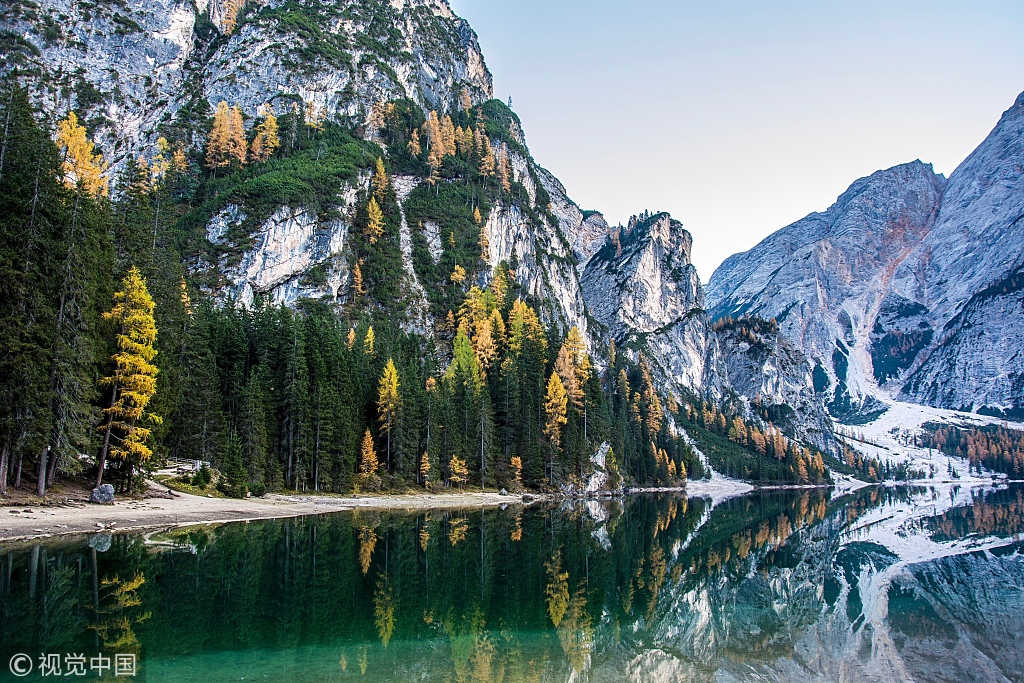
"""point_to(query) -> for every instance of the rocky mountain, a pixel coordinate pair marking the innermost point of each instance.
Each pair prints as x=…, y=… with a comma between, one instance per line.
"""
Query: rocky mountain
x=137, y=73
x=134, y=69
x=906, y=287
x=643, y=290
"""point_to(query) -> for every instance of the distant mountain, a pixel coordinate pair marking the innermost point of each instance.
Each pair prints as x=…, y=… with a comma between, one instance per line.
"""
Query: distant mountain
x=907, y=287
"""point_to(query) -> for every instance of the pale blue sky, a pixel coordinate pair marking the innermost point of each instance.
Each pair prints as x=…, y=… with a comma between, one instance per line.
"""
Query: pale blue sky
x=740, y=117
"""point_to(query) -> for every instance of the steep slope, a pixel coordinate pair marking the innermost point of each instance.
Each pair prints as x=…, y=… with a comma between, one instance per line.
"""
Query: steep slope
x=908, y=286
x=969, y=273
x=644, y=291
x=340, y=61
x=132, y=70
x=827, y=278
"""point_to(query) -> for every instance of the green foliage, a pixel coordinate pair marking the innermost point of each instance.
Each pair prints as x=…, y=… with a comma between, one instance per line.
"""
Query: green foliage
x=202, y=477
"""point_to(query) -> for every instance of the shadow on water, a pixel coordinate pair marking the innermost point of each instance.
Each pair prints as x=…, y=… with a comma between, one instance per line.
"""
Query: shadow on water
x=654, y=587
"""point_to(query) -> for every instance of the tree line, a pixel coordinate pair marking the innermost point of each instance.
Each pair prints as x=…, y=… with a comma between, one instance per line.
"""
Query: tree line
x=118, y=357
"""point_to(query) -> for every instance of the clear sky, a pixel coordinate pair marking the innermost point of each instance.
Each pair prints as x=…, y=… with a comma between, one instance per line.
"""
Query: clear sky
x=741, y=116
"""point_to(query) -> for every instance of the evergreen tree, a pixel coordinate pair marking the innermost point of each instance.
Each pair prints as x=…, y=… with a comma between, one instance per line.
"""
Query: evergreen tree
x=233, y=478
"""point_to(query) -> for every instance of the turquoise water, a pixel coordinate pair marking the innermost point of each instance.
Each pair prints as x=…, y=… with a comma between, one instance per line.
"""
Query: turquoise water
x=884, y=584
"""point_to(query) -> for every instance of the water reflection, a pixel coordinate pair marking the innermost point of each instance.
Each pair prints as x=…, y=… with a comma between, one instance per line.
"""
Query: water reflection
x=884, y=584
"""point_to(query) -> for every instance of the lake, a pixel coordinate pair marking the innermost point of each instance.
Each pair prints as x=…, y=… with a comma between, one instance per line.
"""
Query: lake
x=884, y=584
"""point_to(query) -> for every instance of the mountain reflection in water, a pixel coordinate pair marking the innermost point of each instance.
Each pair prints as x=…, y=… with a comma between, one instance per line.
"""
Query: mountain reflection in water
x=880, y=585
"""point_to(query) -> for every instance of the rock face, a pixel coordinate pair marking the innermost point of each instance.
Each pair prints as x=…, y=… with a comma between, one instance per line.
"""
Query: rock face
x=826, y=278
x=968, y=272
x=907, y=286
x=132, y=68
x=644, y=291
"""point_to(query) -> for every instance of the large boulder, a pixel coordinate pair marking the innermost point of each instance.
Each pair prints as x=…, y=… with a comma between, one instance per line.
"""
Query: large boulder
x=103, y=494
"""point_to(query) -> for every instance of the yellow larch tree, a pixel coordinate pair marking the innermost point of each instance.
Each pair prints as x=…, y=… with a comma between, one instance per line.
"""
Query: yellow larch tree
x=380, y=182
x=133, y=383
x=266, y=141
x=82, y=166
x=484, y=346
x=314, y=115
x=555, y=403
x=425, y=468
x=368, y=342
x=414, y=144
x=374, y=221
x=448, y=136
x=504, y=169
x=218, y=144
x=458, y=473
x=458, y=274
x=485, y=245
x=358, y=289
x=464, y=100
x=368, y=464
x=389, y=400
x=237, y=146
x=229, y=16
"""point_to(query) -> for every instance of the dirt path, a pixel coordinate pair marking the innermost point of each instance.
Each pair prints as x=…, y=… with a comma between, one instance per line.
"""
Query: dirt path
x=21, y=523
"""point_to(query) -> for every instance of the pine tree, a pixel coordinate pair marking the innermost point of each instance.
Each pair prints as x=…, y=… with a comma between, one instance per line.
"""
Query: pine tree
x=389, y=401
x=232, y=472
x=374, y=221
x=134, y=380
x=81, y=165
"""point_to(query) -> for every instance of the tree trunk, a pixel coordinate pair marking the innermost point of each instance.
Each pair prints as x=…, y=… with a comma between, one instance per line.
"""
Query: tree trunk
x=41, y=472
x=102, y=462
x=52, y=471
x=4, y=459
x=17, y=472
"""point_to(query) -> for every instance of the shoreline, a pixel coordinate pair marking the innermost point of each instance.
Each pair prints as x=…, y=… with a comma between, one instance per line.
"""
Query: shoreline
x=30, y=522
x=35, y=522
